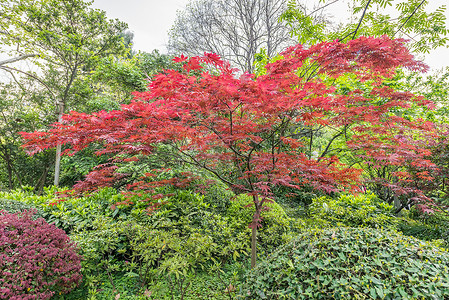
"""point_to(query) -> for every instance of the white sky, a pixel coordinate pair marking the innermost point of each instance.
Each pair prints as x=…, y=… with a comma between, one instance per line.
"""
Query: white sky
x=150, y=21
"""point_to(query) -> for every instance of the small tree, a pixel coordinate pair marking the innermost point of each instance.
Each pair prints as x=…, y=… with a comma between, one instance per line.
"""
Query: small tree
x=247, y=131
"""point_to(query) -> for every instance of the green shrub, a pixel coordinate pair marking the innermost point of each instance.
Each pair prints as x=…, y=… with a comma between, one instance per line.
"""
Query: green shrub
x=364, y=210
x=426, y=226
x=187, y=212
x=103, y=244
x=70, y=214
x=15, y=206
x=275, y=222
x=351, y=263
x=216, y=193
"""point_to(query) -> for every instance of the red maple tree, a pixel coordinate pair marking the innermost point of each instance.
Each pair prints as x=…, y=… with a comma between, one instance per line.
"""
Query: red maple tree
x=254, y=133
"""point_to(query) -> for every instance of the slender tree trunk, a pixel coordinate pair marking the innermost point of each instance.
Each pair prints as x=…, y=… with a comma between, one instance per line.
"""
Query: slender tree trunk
x=256, y=218
x=10, y=182
x=397, y=203
x=58, y=147
x=253, y=246
x=17, y=176
x=41, y=181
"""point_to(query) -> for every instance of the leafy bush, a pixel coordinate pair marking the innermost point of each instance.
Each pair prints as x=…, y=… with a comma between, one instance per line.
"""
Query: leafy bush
x=426, y=226
x=275, y=222
x=37, y=259
x=15, y=206
x=216, y=193
x=70, y=214
x=351, y=263
x=364, y=210
x=186, y=213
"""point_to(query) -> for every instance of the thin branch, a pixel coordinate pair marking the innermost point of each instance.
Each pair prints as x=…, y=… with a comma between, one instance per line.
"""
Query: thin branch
x=30, y=75
x=414, y=11
x=331, y=141
x=14, y=59
x=319, y=8
x=361, y=19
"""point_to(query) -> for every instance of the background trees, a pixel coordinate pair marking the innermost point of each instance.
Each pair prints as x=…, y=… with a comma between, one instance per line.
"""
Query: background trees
x=235, y=29
x=407, y=19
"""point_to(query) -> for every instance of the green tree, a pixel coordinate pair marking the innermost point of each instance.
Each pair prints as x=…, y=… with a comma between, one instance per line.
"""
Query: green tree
x=407, y=19
x=64, y=39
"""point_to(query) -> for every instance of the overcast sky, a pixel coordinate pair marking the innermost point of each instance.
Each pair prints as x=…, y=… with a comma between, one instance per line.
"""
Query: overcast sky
x=150, y=21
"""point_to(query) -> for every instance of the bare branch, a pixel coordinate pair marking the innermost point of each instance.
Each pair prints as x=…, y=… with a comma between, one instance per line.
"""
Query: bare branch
x=18, y=58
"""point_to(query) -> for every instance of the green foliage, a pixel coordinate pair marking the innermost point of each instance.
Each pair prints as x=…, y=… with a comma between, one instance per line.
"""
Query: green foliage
x=216, y=194
x=187, y=213
x=72, y=213
x=15, y=206
x=275, y=222
x=364, y=210
x=351, y=263
x=75, y=168
x=426, y=226
x=412, y=18
x=154, y=62
x=180, y=239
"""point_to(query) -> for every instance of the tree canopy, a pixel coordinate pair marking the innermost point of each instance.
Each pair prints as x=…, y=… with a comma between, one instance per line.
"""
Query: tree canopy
x=254, y=133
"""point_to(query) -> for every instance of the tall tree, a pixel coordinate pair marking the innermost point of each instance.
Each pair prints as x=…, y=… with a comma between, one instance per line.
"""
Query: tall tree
x=244, y=130
x=408, y=19
x=234, y=29
x=64, y=38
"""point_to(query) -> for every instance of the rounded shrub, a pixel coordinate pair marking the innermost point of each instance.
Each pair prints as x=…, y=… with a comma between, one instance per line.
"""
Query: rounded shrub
x=37, y=260
x=351, y=263
x=363, y=210
x=275, y=222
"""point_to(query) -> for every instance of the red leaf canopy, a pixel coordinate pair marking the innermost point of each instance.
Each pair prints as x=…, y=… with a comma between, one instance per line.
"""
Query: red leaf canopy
x=252, y=132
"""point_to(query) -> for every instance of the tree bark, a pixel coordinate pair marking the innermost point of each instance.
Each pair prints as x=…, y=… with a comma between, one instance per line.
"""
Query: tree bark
x=8, y=167
x=256, y=218
x=253, y=246
x=41, y=182
x=58, y=147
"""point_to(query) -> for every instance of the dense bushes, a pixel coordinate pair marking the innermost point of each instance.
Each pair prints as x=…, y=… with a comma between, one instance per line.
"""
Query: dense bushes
x=275, y=222
x=14, y=206
x=364, y=210
x=426, y=226
x=128, y=251
x=37, y=259
x=351, y=263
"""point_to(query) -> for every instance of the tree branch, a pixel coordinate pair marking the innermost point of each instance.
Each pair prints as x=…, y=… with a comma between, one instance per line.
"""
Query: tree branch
x=361, y=19
x=405, y=22
x=14, y=59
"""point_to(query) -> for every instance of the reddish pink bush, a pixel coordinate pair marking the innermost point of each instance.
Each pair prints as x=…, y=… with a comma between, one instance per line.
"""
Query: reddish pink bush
x=37, y=260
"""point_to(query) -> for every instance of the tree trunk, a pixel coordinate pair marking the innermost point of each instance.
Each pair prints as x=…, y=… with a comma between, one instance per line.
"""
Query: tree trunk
x=41, y=181
x=256, y=219
x=253, y=246
x=397, y=204
x=7, y=157
x=8, y=167
x=58, y=147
